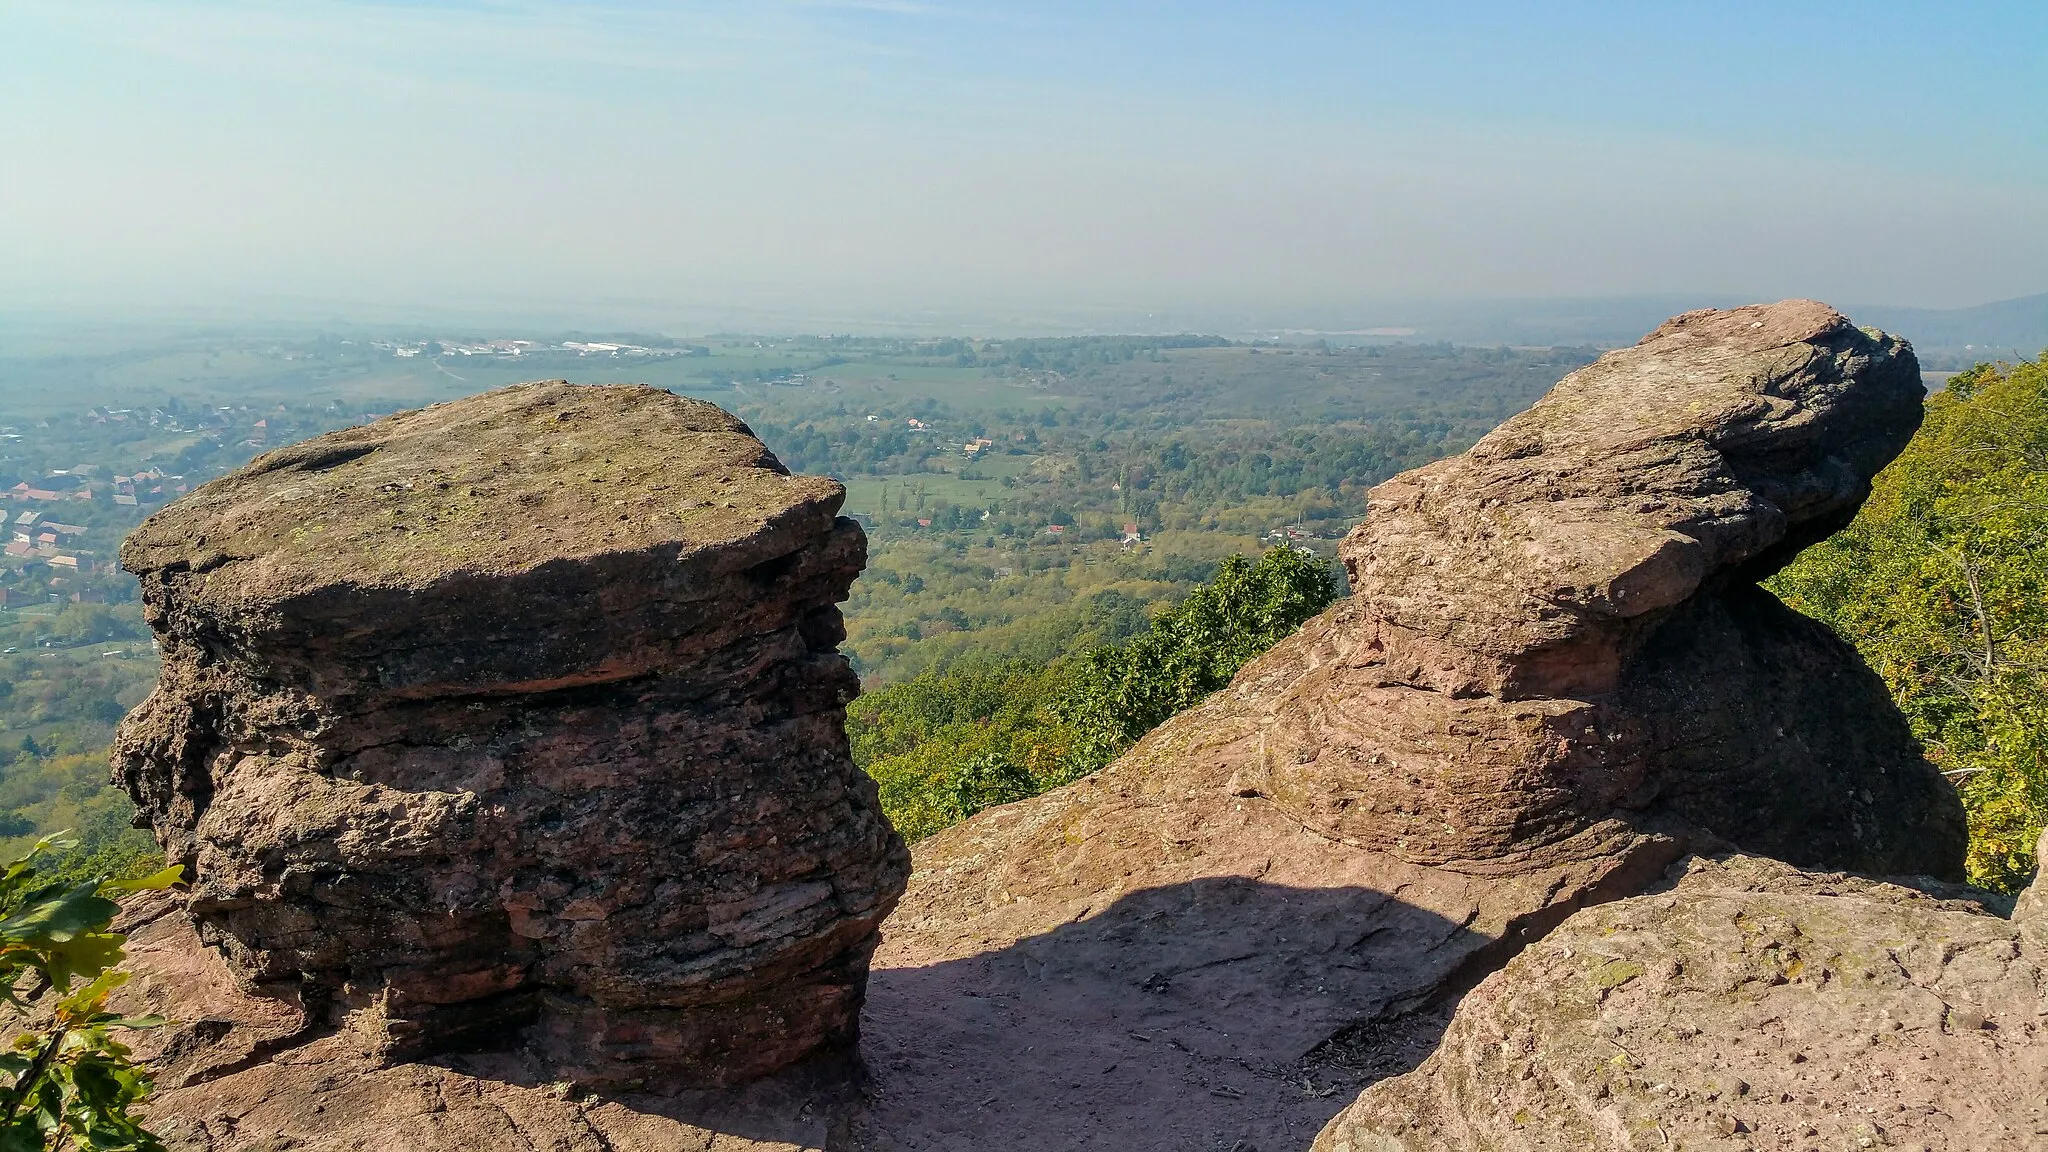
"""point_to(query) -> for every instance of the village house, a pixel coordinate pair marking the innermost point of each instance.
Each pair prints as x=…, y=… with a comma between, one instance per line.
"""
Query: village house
x=147, y=483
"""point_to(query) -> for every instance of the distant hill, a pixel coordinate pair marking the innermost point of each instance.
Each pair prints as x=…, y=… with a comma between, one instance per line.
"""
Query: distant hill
x=2006, y=328
x=2010, y=328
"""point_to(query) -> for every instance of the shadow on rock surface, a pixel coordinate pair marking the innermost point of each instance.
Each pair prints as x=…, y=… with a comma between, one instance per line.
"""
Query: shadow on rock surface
x=1190, y=1016
x=1744, y=1004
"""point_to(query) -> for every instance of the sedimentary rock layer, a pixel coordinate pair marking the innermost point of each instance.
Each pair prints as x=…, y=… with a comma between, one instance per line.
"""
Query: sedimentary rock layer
x=1555, y=639
x=1557, y=677
x=522, y=711
x=1747, y=1006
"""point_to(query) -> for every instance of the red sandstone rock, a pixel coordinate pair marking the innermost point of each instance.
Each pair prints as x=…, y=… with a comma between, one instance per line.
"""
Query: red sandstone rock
x=1555, y=640
x=1419, y=782
x=1749, y=1006
x=1532, y=706
x=522, y=712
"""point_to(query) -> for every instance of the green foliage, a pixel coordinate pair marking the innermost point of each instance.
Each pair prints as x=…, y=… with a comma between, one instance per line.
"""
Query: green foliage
x=69, y=1083
x=58, y=716
x=1942, y=583
x=1118, y=694
x=87, y=623
x=946, y=745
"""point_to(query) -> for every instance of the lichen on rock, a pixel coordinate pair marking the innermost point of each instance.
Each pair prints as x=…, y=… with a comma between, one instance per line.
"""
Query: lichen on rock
x=1747, y=1005
x=522, y=714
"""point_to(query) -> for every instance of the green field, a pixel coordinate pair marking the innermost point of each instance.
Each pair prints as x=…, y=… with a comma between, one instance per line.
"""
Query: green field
x=981, y=488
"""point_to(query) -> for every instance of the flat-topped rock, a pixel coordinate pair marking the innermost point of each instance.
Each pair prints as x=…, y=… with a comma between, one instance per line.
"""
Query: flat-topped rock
x=493, y=485
x=522, y=715
x=541, y=534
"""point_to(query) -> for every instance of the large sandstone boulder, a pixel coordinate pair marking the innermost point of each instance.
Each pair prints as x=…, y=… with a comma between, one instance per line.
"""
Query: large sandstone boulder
x=1749, y=1006
x=1555, y=640
x=522, y=713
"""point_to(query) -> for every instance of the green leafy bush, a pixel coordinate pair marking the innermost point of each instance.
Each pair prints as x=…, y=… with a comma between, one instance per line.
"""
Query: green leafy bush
x=1116, y=695
x=70, y=1081
x=948, y=744
x=1942, y=584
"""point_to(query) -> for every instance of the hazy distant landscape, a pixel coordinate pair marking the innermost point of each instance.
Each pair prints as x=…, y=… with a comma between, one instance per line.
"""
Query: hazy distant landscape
x=1091, y=760
x=1025, y=498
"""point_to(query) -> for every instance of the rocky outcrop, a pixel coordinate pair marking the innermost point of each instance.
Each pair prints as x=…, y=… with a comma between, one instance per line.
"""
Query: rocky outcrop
x=1555, y=641
x=522, y=714
x=1556, y=678
x=1746, y=1006
x=237, y=1072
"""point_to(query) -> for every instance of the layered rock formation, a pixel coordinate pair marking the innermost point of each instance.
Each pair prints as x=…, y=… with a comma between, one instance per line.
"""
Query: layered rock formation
x=1555, y=642
x=522, y=712
x=1557, y=677
x=1748, y=1006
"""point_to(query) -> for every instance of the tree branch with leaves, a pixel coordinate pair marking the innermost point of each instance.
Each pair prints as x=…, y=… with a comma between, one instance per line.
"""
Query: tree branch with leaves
x=71, y=1083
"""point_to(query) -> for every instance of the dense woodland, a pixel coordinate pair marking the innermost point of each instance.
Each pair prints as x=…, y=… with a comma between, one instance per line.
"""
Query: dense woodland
x=1052, y=525
x=1942, y=584
x=948, y=744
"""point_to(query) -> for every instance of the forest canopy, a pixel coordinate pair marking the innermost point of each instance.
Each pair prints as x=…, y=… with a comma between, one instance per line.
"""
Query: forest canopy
x=1942, y=584
x=947, y=744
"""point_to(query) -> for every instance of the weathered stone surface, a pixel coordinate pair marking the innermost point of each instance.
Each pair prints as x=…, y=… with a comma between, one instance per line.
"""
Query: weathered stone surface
x=522, y=711
x=1749, y=1006
x=2030, y=911
x=1533, y=565
x=1532, y=706
x=1555, y=640
x=1420, y=776
x=237, y=1072
x=1156, y=962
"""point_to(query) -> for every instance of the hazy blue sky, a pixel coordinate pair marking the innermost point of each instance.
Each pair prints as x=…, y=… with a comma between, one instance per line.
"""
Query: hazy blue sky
x=963, y=154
